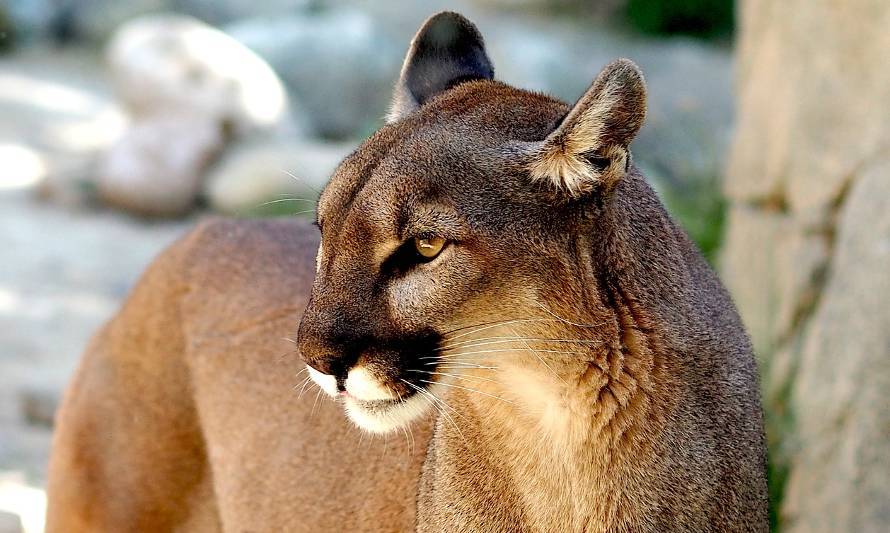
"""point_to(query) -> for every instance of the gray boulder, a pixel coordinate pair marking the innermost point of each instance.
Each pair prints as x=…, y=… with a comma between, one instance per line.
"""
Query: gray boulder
x=189, y=89
x=339, y=65
x=226, y=11
x=10, y=523
x=165, y=63
x=156, y=168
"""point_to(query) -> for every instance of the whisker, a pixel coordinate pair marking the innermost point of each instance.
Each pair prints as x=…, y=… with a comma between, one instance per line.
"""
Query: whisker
x=541, y=359
x=497, y=350
x=433, y=399
x=465, y=388
x=304, y=388
x=315, y=403
x=302, y=383
x=407, y=443
x=301, y=180
x=279, y=200
x=498, y=324
x=469, y=326
x=457, y=376
x=464, y=364
x=496, y=340
x=567, y=321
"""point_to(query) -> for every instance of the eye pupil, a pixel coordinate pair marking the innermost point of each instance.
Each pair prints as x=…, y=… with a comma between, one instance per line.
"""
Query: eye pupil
x=429, y=247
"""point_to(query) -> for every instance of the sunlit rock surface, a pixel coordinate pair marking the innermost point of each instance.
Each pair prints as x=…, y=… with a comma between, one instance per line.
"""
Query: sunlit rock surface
x=807, y=255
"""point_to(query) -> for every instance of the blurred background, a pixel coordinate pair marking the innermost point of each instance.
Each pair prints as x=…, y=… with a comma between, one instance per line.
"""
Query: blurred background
x=123, y=122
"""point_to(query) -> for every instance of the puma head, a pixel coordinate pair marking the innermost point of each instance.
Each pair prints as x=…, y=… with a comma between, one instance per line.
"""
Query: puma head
x=471, y=209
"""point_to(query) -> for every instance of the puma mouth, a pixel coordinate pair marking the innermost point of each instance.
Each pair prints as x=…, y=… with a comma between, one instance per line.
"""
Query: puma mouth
x=383, y=416
x=371, y=404
x=375, y=406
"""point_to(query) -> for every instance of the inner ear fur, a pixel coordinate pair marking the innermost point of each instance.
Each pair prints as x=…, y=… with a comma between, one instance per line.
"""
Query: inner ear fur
x=589, y=148
x=447, y=50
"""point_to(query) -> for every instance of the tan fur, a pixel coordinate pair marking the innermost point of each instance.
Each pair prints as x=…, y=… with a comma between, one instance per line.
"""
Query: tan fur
x=568, y=363
x=184, y=413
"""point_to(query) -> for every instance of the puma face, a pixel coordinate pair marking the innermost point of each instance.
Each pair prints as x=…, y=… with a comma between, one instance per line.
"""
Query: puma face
x=463, y=213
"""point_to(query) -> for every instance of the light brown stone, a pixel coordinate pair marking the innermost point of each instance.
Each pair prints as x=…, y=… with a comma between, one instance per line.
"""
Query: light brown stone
x=840, y=480
x=771, y=267
x=290, y=172
x=809, y=182
x=812, y=89
x=164, y=63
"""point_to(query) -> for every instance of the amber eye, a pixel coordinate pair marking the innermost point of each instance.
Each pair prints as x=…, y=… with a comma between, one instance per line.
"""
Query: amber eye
x=429, y=247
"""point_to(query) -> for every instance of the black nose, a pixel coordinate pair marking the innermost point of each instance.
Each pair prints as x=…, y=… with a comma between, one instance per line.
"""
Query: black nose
x=327, y=344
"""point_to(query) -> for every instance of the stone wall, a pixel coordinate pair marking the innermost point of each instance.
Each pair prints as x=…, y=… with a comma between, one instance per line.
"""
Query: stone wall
x=807, y=251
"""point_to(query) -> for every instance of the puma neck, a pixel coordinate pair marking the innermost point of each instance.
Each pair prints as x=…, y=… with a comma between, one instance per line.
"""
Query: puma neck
x=570, y=436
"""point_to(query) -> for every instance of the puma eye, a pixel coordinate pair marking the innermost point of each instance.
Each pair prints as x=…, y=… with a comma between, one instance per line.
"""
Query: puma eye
x=429, y=247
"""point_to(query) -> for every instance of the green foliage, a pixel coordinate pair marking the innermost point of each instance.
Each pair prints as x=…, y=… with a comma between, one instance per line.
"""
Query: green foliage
x=7, y=33
x=701, y=210
x=699, y=18
x=780, y=427
x=776, y=478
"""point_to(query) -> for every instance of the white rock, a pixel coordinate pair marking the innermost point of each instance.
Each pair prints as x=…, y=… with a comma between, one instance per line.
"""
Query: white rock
x=258, y=173
x=10, y=523
x=157, y=166
x=167, y=63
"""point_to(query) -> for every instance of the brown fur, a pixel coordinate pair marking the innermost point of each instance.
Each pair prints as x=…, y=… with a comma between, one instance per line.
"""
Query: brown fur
x=183, y=414
x=619, y=392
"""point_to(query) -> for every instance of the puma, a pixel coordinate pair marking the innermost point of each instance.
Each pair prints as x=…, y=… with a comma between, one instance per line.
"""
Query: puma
x=520, y=336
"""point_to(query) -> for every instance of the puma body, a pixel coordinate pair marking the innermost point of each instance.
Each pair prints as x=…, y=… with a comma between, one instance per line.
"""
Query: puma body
x=497, y=291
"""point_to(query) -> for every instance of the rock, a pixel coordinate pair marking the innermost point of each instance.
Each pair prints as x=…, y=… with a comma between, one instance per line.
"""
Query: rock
x=57, y=117
x=10, y=523
x=225, y=11
x=339, y=65
x=810, y=117
x=29, y=19
x=273, y=174
x=808, y=250
x=189, y=89
x=773, y=286
x=157, y=166
x=840, y=480
x=168, y=63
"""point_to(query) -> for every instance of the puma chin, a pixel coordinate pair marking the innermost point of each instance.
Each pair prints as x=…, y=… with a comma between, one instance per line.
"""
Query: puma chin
x=386, y=384
x=374, y=405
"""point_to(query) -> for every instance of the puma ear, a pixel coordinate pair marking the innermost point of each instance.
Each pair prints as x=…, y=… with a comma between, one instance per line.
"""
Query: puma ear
x=589, y=148
x=447, y=50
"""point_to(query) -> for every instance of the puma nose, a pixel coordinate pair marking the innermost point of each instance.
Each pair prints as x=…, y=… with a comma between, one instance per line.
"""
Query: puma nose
x=326, y=346
x=324, y=361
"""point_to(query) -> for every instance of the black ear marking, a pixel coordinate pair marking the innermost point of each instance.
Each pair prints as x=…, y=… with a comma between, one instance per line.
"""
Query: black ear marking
x=589, y=148
x=446, y=51
x=598, y=161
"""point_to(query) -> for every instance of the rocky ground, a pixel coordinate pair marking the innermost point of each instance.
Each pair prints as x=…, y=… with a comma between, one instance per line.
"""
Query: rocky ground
x=63, y=268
